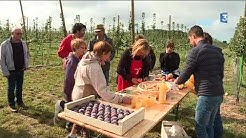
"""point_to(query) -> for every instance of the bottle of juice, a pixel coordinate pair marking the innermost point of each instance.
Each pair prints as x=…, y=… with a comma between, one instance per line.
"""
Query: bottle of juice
x=162, y=92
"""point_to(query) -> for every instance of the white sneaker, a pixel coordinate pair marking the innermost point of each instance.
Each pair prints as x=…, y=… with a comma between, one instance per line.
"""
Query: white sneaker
x=59, y=107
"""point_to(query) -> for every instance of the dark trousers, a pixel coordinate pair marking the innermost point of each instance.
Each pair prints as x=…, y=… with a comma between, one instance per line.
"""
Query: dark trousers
x=218, y=125
x=106, y=74
x=15, y=83
x=105, y=69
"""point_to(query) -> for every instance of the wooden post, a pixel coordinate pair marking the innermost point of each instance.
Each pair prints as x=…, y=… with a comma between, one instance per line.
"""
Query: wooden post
x=245, y=9
x=169, y=29
x=63, y=20
x=133, y=23
x=23, y=20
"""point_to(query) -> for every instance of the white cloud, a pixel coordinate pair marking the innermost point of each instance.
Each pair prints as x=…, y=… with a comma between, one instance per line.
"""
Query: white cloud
x=188, y=13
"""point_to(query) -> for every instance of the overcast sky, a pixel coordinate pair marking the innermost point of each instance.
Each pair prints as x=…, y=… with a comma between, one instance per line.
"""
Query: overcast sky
x=189, y=13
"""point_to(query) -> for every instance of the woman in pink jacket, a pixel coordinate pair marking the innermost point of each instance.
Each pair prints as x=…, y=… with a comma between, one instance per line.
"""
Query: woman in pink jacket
x=89, y=77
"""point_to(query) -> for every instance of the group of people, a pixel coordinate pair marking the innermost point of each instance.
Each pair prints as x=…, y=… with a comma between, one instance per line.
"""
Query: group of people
x=87, y=71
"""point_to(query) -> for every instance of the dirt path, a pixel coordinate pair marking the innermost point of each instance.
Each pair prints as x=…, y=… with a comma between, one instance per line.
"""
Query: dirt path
x=230, y=109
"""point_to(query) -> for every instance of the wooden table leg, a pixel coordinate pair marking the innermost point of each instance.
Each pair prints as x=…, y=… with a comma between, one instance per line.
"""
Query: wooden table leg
x=177, y=112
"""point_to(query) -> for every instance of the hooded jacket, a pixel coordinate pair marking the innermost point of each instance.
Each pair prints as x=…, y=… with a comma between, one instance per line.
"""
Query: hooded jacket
x=6, y=57
x=90, y=80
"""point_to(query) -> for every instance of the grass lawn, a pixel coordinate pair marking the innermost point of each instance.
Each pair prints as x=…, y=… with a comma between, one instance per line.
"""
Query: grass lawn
x=43, y=86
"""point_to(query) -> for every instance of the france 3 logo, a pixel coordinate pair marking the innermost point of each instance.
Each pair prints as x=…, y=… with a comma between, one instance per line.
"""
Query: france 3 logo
x=224, y=17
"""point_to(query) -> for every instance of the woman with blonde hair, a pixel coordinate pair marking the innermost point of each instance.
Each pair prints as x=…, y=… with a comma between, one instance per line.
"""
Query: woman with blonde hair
x=133, y=66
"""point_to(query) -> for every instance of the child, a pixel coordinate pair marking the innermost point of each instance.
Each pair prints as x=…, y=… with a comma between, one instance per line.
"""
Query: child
x=79, y=47
x=169, y=60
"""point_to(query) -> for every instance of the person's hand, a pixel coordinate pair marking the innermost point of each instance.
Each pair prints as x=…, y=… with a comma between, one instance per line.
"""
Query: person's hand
x=169, y=76
x=135, y=81
x=146, y=78
x=64, y=63
x=163, y=77
x=176, y=80
x=126, y=100
x=140, y=80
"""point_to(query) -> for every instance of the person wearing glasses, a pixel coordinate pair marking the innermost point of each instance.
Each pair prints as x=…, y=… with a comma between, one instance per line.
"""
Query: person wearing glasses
x=78, y=31
x=14, y=60
x=170, y=60
x=79, y=48
x=101, y=36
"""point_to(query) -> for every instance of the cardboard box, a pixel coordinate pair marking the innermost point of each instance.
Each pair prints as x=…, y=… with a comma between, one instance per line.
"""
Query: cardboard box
x=167, y=125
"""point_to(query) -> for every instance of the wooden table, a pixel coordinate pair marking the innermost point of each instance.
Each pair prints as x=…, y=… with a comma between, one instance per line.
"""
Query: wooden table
x=153, y=115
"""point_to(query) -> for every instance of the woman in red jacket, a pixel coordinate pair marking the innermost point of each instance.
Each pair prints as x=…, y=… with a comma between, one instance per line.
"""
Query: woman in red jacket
x=133, y=66
x=78, y=31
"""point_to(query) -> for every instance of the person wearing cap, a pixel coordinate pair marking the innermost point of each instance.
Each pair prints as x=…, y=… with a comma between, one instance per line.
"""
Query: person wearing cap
x=14, y=60
x=78, y=31
x=101, y=36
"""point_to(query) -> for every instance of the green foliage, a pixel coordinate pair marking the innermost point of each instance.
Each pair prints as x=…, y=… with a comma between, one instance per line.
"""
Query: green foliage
x=43, y=40
x=238, y=42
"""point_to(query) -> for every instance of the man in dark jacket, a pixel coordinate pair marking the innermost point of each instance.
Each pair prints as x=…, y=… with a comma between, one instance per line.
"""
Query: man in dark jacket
x=101, y=36
x=206, y=62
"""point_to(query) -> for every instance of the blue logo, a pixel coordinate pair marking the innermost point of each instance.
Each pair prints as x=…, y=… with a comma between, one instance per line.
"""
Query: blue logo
x=224, y=17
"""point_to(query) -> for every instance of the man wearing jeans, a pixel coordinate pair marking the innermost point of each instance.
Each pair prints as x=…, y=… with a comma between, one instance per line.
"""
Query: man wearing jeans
x=206, y=62
x=14, y=59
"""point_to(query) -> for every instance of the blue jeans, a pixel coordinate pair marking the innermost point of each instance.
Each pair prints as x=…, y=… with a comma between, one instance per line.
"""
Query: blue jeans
x=15, y=82
x=218, y=126
x=206, y=109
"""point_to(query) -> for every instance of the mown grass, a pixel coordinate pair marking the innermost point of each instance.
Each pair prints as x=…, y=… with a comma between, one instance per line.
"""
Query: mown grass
x=43, y=86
